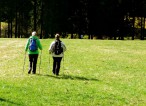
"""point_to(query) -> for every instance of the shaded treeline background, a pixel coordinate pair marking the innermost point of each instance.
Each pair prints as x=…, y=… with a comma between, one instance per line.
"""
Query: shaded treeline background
x=112, y=19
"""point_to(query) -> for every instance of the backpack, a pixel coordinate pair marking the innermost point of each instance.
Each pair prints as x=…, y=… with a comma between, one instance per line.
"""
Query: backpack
x=33, y=46
x=57, y=48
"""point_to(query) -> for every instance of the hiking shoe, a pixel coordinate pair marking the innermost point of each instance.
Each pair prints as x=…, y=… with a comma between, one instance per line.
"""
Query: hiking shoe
x=33, y=73
x=29, y=72
x=54, y=72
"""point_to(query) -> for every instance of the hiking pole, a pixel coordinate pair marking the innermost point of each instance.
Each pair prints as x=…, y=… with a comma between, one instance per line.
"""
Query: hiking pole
x=24, y=61
x=40, y=61
x=49, y=62
x=63, y=61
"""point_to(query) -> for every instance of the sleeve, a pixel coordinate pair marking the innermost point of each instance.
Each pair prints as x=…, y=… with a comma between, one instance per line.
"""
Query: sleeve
x=51, y=47
x=64, y=47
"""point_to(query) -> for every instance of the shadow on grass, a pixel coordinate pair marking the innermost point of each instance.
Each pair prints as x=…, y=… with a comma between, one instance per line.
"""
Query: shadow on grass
x=7, y=101
x=72, y=77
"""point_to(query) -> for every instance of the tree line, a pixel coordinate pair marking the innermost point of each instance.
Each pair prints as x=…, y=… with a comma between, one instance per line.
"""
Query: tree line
x=113, y=19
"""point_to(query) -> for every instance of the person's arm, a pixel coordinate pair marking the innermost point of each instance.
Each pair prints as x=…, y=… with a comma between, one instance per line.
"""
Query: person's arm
x=51, y=47
x=64, y=47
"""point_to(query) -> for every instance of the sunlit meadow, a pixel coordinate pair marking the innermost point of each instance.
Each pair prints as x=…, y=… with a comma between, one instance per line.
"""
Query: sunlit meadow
x=93, y=73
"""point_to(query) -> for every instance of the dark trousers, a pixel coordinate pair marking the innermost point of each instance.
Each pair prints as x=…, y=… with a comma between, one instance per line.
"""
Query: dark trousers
x=56, y=65
x=32, y=63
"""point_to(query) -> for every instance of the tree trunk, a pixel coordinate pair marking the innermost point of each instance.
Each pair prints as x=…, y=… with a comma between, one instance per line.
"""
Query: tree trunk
x=72, y=35
x=16, y=25
x=0, y=30
x=11, y=29
x=144, y=26
x=42, y=14
x=35, y=14
x=16, y=20
x=133, y=29
x=8, y=29
x=142, y=29
x=19, y=25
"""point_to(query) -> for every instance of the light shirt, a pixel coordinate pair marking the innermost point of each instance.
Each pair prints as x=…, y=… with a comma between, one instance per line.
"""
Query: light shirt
x=53, y=45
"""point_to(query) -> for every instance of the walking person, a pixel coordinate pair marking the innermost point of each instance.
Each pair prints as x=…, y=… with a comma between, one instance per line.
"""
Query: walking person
x=32, y=45
x=57, y=49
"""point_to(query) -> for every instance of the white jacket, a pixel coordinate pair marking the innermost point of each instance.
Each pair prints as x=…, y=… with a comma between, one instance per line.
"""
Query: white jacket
x=51, y=49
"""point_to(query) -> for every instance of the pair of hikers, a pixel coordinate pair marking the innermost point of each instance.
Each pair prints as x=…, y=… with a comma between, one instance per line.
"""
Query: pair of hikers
x=57, y=49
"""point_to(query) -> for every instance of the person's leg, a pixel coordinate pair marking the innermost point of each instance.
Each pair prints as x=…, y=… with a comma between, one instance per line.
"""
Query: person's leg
x=35, y=57
x=54, y=65
x=30, y=63
x=58, y=65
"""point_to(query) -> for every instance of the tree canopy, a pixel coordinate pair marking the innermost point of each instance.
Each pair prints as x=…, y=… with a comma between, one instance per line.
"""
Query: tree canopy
x=100, y=18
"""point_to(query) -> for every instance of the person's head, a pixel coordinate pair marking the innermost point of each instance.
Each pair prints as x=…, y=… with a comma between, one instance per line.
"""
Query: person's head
x=57, y=36
x=33, y=33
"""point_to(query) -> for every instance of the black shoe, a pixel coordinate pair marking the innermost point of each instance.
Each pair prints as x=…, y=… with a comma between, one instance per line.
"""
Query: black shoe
x=29, y=72
x=53, y=72
x=33, y=73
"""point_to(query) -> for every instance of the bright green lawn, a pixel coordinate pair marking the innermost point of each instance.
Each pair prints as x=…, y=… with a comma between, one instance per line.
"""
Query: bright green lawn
x=94, y=72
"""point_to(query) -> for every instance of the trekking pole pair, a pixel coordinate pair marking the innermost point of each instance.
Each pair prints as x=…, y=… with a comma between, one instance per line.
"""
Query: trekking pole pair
x=40, y=61
x=25, y=60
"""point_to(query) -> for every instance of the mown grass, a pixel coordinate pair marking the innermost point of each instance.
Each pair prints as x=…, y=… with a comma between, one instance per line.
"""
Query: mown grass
x=94, y=72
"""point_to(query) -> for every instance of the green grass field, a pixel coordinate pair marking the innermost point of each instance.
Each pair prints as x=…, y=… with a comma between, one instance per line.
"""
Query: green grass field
x=93, y=73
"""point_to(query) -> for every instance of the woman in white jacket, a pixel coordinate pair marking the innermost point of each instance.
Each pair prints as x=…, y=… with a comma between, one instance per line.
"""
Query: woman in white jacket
x=57, y=49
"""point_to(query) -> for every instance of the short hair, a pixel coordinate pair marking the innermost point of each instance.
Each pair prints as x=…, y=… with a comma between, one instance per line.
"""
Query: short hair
x=33, y=33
